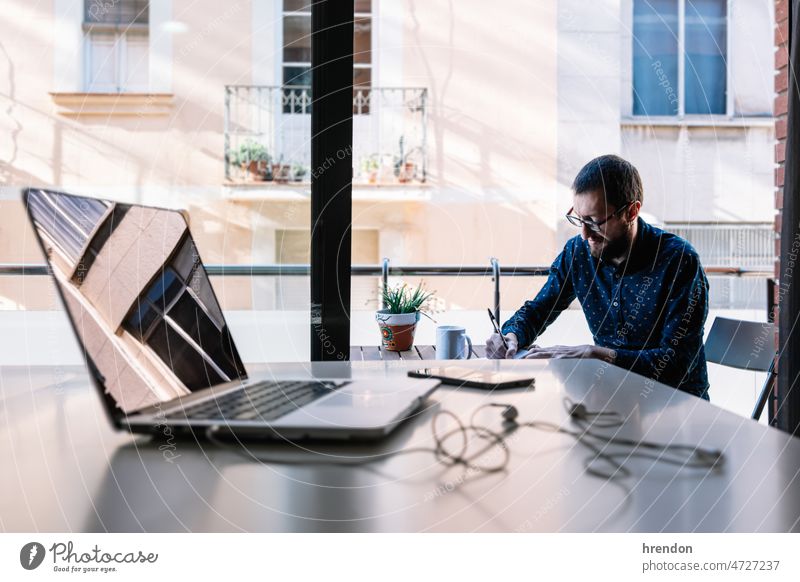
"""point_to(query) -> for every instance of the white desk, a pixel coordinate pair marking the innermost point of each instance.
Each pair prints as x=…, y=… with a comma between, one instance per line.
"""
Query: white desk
x=64, y=469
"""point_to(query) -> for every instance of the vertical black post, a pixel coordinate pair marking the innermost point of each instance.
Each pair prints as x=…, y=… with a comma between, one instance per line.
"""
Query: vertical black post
x=788, y=392
x=331, y=177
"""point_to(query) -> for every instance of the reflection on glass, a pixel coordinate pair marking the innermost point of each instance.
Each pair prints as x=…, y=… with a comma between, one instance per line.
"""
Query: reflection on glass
x=138, y=296
x=362, y=78
x=297, y=76
x=705, y=56
x=362, y=40
x=655, y=57
x=296, y=39
x=297, y=5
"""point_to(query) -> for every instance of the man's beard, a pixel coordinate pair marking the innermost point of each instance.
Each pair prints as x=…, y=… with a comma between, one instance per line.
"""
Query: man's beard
x=608, y=250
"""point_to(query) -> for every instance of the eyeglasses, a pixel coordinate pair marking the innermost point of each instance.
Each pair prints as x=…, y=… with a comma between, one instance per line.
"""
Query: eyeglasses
x=591, y=224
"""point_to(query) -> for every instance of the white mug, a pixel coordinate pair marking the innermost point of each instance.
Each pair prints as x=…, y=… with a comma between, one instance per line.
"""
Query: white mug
x=450, y=343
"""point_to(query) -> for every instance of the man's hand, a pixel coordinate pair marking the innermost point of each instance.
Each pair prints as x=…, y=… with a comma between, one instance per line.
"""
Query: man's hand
x=495, y=348
x=584, y=351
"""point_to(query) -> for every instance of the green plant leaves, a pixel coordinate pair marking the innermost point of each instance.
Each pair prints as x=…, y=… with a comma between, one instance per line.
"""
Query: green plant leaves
x=401, y=299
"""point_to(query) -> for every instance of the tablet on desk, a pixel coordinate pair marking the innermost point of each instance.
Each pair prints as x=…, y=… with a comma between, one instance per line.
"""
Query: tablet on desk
x=487, y=380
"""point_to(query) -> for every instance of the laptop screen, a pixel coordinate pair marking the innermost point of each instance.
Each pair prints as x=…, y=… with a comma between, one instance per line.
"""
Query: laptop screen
x=138, y=296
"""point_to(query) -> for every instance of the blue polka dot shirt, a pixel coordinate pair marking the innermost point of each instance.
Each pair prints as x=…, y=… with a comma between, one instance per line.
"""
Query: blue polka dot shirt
x=650, y=309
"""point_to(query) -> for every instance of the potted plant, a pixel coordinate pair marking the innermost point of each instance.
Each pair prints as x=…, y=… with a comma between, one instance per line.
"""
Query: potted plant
x=405, y=168
x=299, y=172
x=281, y=172
x=398, y=320
x=407, y=172
x=253, y=158
x=370, y=167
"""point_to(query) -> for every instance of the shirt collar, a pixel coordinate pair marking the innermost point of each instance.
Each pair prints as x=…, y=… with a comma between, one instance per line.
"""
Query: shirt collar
x=644, y=251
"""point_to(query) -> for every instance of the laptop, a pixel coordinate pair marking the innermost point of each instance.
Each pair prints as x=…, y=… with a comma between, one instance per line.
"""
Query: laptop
x=157, y=344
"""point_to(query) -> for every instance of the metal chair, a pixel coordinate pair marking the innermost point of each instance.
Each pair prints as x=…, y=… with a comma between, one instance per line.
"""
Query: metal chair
x=747, y=345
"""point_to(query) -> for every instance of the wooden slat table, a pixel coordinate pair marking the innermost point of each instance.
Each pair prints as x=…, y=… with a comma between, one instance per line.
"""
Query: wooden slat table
x=372, y=353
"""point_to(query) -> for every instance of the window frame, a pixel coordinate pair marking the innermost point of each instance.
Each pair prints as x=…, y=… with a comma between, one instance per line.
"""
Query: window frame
x=281, y=64
x=681, y=114
x=120, y=33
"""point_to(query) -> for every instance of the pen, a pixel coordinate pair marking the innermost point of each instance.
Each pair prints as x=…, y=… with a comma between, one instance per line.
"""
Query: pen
x=497, y=328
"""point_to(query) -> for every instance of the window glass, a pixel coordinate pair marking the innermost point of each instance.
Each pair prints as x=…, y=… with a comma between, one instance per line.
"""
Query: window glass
x=655, y=57
x=137, y=65
x=297, y=5
x=705, y=56
x=362, y=78
x=297, y=76
x=141, y=320
x=296, y=39
x=183, y=359
x=362, y=40
x=185, y=260
x=116, y=11
x=201, y=287
x=102, y=62
x=210, y=337
x=165, y=289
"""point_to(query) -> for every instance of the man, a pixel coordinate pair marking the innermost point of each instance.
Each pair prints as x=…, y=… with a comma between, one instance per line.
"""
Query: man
x=643, y=291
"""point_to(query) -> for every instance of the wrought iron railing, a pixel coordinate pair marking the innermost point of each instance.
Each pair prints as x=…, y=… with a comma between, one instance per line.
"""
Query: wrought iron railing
x=268, y=131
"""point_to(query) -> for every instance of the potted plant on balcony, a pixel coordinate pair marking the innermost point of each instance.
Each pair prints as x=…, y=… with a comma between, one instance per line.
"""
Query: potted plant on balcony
x=281, y=172
x=398, y=321
x=299, y=172
x=369, y=168
x=253, y=158
x=405, y=168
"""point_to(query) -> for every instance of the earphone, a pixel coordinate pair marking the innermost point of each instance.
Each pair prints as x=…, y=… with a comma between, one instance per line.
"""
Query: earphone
x=510, y=412
x=686, y=456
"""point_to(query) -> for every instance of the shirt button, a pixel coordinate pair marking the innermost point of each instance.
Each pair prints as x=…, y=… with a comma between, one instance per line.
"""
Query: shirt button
x=615, y=304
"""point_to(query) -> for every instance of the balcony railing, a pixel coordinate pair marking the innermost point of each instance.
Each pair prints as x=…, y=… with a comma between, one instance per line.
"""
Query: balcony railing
x=385, y=270
x=268, y=131
x=749, y=245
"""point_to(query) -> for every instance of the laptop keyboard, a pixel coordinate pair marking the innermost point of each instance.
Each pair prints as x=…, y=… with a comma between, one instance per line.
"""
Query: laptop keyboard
x=263, y=401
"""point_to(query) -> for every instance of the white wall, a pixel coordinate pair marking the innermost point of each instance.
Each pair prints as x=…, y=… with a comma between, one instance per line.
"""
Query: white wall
x=704, y=174
x=589, y=69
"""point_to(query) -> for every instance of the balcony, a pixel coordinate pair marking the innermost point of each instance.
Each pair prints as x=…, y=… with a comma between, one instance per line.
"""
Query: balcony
x=267, y=142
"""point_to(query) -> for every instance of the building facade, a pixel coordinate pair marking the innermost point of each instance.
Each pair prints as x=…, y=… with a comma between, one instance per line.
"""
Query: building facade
x=470, y=122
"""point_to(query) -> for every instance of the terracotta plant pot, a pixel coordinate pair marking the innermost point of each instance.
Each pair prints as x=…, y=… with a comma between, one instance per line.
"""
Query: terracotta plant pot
x=256, y=170
x=407, y=172
x=397, y=329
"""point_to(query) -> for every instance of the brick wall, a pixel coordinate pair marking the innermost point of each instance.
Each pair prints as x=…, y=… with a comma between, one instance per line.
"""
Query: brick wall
x=780, y=112
x=781, y=103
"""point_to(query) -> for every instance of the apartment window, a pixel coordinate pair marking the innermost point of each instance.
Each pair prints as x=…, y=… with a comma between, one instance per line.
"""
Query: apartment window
x=117, y=46
x=297, y=49
x=680, y=57
x=179, y=318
